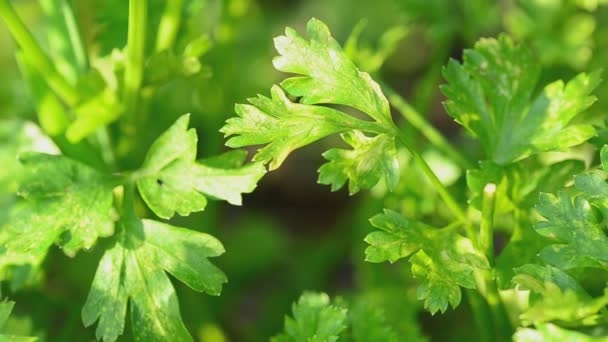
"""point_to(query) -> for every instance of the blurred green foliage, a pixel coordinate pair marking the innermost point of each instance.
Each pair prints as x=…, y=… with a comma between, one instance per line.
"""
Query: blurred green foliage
x=291, y=235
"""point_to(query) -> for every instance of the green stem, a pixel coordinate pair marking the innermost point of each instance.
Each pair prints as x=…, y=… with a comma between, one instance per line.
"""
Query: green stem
x=424, y=127
x=445, y=195
x=78, y=47
x=486, y=244
x=486, y=231
x=105, y=145
x=136, y=45
x=481, y=315
x=39, y=59
x=169, y=25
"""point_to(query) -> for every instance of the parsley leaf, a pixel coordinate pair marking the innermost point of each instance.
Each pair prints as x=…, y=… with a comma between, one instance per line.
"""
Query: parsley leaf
x=17, y=136
x=577, y=230
x=556, y=296
x=314, y=320
x=65, y=202
x=371, y=159
x=442, y=258
x=283, y=125
x=491, y=94
x=579, y=238
x=133, y=271
x=326, y=76
x=172, y=181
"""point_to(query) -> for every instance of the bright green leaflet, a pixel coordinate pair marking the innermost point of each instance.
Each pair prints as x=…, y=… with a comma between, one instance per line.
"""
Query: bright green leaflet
x=314, y=320
x=370, y=160
x=491, y=94
x=368, y=318
x=65, y=202
x=6, y=307
x=578, y=235
x=171, y=180
x=443, y=259
x=16, y=137
x=577, y=231
x=133, y=271
x=326, y=76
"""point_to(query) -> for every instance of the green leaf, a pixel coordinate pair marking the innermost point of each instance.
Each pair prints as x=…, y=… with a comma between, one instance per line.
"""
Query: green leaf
x=314, y=320
x=556, y=296
x=132, y=273
x=491, y=94
x=442, y=258
x=285, y=126
x=535, y=278
x=521, y=250
x=577, y=233
x=370, y=160
x=552, y=332
x=172, y=181
x=6, y=307
x=65, y=202
x=327, y=75
x=16, y=137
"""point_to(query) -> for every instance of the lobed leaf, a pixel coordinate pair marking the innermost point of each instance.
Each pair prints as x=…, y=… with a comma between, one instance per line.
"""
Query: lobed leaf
x=370, y=160
x=577, y=233
x=172, y=181
x=284, y=126
x=328, y=75
x=492, y=95
x=556, y=296
x=132, y=273
x=325, y=76
x=65, y=202
x=314, y=320
x=442, y=258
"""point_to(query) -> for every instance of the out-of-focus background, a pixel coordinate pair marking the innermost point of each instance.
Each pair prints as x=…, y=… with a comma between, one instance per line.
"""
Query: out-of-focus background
x=292, y=234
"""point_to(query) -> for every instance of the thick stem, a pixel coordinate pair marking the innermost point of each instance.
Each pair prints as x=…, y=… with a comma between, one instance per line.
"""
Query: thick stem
x=36, y=56
x=486, y=231
x=481, y=315
x=486, y=245
x=424, y=127
x=169, y=25
x=443, y=192
x=136, y=45
x=105, y=145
